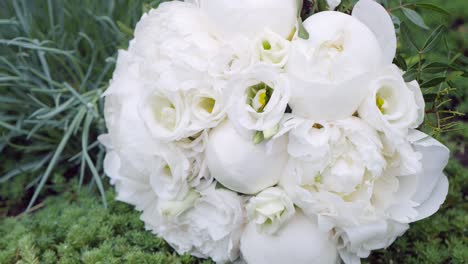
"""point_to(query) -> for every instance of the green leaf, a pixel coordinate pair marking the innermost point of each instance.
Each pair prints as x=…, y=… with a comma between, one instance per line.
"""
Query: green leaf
x=406, y=36
x=433, y=39
x=303, y=34
x=433, y=82
x=430, y=97
x=435, y=67
x=410, y=75
x=414, y=17
x=433, y=8
x=125, y=29
x=258, y=137
x=400, y=62
x=454, y=75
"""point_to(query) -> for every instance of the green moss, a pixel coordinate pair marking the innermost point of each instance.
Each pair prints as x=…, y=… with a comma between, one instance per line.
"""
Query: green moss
x=80, y=230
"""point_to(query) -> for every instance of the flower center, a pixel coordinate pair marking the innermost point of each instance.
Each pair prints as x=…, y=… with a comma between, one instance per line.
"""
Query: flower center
x=168, y=117
x=167, y=171
x=266, y=45
x=258, y=96
x=380, y=102
x=207, y=104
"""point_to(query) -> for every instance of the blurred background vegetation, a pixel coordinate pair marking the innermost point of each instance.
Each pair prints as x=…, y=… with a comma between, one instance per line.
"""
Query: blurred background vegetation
x=56, y=58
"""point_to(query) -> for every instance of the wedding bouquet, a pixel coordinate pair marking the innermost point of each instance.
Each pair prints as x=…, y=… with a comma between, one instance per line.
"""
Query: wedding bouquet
x=243, y=134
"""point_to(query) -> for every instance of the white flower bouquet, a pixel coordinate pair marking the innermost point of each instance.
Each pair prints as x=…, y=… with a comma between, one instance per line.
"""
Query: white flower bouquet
x=243, y=134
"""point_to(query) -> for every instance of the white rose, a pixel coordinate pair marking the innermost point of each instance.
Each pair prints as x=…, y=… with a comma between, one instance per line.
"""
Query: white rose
x=165, y=114
x=270, y=209
x=239, y=164
x=392, y=106
x=272, y=49
x=259, y=99
x=335, y=185
x=300, y=242
x=250, y=17
x=328, y=71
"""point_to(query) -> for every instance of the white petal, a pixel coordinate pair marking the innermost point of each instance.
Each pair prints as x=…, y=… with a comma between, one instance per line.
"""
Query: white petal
x=298, y=242
x=250, y=17
x=374, y=16
x=239, y=164
x=432, y=183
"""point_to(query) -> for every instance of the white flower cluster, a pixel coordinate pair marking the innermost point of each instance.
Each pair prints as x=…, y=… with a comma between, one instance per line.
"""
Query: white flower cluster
x=240, y=141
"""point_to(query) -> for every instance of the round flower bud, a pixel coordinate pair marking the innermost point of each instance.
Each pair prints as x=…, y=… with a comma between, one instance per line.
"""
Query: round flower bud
x=299, y=242
x=240, y=164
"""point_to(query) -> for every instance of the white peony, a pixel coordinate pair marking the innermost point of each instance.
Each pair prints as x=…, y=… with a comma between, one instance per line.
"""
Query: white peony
x=259, y=99
x=272, y=49
x=377, y=19
x=392, y=106
x=239, y=164
x=328, y=71
x=335, y=184
x=129, y=157
x=250, y=17
x=270, y=209
x=175, y=41
x=300, y=242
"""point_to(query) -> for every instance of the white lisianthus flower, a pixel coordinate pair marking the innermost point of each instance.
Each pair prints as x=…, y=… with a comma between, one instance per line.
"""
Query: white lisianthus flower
x=250, y=17
x=392, y=106
x=169, y=177
x=335, y=184
x=328, y=71
x=300, y=241
x=193, y=145
x=206, y=104
x=165, y=114
x=241, y=165
x=174, y=40
x=270, y=209
x=272, y=49
x=259, y=99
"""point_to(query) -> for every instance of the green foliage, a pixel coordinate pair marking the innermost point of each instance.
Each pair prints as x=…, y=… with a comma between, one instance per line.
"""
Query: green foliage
x=56, y=58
